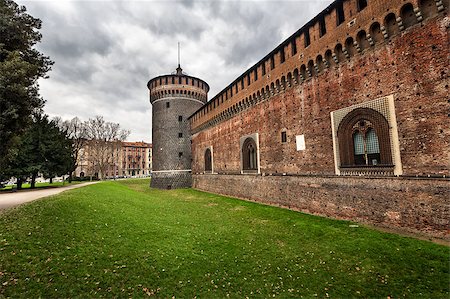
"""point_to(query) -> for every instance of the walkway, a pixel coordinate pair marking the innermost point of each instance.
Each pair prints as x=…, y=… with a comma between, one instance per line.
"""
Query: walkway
x=11, y=199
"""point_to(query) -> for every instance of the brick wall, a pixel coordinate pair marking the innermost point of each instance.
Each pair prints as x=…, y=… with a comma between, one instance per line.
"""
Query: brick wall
x=407, y=204
x=413, y=67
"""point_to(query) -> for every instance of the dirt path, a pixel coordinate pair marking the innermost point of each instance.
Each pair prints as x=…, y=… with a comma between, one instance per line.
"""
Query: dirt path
x=12, y=199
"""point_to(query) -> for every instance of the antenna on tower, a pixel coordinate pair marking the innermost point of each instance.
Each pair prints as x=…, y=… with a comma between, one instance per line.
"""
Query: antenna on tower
x=178, y=54
x=179, y=69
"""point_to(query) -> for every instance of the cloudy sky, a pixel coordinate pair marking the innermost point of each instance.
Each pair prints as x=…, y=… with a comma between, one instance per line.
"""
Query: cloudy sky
x=106, y=51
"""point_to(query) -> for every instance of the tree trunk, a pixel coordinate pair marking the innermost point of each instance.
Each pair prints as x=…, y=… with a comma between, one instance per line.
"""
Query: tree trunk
x=70, y=177
x=33, y=181
x=19, y=183
x=51, y=180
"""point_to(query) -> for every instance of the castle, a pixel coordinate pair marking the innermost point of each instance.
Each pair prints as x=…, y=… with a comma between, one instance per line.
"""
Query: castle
x=347, y=118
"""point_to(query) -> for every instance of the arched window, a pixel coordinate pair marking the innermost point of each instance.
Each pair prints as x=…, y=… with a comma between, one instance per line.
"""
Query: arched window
x=339, y=53
x=364, y=139
x=319, y=62
x=408, y=16
x=361, y=38
x=391, y=24
x=329, y=58
x=375, y=32
x=303, y=72
x=208, y=160
x=350, y=46
x=311, y=69
x=249, y=155
x=295, y=75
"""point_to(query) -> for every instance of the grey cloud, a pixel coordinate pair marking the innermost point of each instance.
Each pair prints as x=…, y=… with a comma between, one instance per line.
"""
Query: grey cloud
x=106, y=51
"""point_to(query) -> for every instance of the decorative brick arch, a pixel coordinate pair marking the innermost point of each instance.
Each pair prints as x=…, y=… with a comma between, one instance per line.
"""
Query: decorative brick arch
x=345, y=135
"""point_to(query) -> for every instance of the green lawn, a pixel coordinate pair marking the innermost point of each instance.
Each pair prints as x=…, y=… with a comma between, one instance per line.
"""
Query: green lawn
x=121, y=239
x=40, y=185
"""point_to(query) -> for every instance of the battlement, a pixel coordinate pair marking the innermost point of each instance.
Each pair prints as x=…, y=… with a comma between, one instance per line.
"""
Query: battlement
x=179, y=86
x=345, y=29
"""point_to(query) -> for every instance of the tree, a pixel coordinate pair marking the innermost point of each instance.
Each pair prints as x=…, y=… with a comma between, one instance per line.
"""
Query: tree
x=44, y=149
x=75, y=130
x=20, y=67
x=104, y=144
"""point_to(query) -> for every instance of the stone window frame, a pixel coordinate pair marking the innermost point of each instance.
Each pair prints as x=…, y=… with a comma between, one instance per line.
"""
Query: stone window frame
x=385, y=106
x=211, y=161
x=345, y=137
x=244, y=140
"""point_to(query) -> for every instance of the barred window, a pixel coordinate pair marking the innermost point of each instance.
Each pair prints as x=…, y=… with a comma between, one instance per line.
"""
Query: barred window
x=358, y=143
x=364, y=139
x=366, y=147
x=372, y=142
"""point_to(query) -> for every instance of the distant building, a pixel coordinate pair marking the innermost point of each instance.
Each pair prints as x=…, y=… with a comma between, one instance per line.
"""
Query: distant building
x=110, y=159
x=136, y=159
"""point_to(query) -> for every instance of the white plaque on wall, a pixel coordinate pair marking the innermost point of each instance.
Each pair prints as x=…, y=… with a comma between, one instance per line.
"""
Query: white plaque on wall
x=300, y=140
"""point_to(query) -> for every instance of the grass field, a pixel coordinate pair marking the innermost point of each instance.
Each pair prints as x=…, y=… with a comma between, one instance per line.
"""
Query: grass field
x=40, y=185
x=121, y=239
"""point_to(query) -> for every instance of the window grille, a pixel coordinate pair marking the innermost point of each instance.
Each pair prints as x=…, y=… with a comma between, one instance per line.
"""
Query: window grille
x=372, y=142
x=358, y=143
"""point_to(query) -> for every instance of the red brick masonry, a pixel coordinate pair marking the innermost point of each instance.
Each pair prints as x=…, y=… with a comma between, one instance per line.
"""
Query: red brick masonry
x=407, y=59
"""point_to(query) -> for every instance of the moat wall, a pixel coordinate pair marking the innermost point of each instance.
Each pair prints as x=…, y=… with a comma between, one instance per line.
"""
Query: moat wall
x=407, y=204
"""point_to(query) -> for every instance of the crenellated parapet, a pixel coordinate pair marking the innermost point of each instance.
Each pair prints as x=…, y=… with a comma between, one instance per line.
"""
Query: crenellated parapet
x=345, y=29
x=178, y=86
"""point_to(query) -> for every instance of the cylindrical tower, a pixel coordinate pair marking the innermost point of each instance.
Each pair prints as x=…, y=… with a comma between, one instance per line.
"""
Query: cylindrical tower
x=174, y=98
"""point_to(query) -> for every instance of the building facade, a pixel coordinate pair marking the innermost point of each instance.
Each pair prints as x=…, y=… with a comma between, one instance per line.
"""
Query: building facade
x=174, y=98
x=136, y=159
x=346, y=118
x=114, y=159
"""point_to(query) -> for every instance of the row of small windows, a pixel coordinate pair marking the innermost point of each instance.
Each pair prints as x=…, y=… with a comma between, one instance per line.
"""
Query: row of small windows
x=364, y=140
x=178, y=80
x=340, y=53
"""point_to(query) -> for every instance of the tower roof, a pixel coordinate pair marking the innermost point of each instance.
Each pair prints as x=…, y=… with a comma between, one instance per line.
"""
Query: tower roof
x=179, y=70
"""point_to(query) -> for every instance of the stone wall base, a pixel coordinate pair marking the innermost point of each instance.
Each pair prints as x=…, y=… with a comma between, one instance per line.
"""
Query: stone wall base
x=171, y=180
x=411, y=205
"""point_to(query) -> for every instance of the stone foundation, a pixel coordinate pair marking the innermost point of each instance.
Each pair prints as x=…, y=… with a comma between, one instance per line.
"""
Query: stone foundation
x=171, y=180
